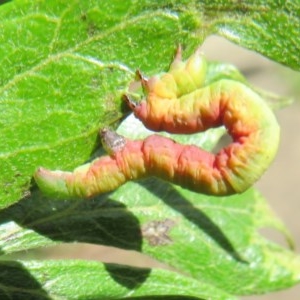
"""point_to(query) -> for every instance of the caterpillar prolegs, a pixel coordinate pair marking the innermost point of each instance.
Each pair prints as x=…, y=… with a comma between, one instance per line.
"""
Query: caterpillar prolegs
x=179, y=102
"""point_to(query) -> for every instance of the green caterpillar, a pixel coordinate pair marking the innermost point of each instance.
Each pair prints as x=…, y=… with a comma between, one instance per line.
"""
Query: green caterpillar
x=177, y=102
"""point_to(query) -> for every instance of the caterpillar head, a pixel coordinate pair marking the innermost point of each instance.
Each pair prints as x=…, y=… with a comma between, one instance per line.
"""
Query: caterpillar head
x=189, y=75
x=182, y=78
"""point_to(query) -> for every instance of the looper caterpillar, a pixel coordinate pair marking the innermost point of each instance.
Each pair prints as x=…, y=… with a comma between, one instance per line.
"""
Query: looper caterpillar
x=178, y=102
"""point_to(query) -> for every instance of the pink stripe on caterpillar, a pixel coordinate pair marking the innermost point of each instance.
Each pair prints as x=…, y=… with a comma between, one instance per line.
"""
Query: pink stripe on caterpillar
x=176, y=102
x=155, y=156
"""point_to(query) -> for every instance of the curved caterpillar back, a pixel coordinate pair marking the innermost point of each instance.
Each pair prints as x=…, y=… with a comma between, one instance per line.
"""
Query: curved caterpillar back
x=177, y=102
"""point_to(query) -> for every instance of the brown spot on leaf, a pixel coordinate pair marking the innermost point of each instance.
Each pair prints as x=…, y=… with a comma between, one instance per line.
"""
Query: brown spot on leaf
x=156, y=232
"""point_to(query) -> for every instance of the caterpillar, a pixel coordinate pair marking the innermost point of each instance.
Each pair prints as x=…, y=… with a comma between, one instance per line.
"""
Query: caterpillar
x=178, y=101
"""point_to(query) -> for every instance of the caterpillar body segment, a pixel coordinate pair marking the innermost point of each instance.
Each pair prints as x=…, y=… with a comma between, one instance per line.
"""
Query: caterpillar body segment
x=102, y=175
x=246, y=116
x=154, y=156
x=177, y=102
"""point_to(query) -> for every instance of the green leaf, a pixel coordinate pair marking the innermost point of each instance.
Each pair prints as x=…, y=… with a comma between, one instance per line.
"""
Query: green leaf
x=92, y=280
x=204, y=237
x=15, y=237
x=65, y=65
x=218, y=71
x=63, y=70
x=207, y=238
x=266, y=26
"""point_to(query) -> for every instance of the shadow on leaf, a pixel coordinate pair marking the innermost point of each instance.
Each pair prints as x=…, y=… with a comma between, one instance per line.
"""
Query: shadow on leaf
x=17, y=283
x=101, y=221
x=105, y=221
x=179, y=203
x=129, y=277
x=4, y=1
